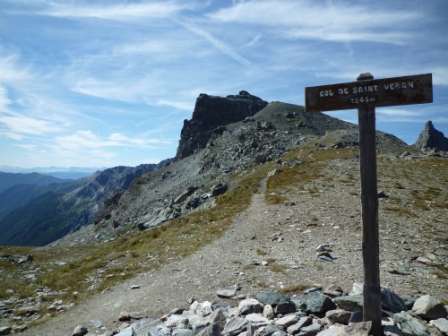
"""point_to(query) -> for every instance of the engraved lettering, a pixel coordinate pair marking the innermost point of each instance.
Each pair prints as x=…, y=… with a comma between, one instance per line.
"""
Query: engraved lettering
x=326, y=93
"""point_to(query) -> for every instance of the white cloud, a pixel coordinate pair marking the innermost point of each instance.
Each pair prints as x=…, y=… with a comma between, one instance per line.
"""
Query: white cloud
x=215, y=42
x=254, y=40
x=181, y=105
x=10, y=71
x=398, y=112
x=4, y=99
x=28, y=126
x=331, y=22
x=27, y=146
x=122, y=12
x=83, y=140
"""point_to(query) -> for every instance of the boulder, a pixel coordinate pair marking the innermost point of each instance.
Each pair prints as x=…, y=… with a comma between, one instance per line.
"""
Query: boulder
x=410, y=325
x=350, y=302
x=235, y=326
x=441, y=324
x=390, y=301
x=249, y=306
x=429, y=307
x=318, y=303
x=79, y=330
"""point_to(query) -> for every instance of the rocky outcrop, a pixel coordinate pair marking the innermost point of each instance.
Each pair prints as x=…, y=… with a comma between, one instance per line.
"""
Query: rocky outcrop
x=432, y=138
x=211, y=112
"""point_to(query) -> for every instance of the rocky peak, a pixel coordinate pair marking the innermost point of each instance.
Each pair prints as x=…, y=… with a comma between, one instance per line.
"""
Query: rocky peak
x=211, y=112
x=432, y=138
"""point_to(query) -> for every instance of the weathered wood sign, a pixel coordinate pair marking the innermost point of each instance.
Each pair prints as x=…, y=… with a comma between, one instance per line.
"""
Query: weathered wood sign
x=370, y=93
x=365, y=95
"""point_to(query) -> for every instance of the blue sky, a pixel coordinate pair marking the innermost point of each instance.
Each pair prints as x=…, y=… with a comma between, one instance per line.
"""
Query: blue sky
x=94, y=83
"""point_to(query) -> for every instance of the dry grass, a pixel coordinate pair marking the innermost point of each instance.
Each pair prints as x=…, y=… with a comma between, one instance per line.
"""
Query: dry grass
x=277, y=267
x=294, y=289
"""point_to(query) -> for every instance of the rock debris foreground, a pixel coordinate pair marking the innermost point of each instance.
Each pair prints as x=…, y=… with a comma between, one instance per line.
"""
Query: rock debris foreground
x=271, y=313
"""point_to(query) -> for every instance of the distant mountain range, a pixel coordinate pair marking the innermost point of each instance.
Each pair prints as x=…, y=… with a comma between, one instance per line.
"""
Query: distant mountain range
x=39, y=209
x=72, y=173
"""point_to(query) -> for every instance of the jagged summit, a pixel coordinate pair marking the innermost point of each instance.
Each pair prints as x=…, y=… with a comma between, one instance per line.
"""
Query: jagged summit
x=211, y=112
x=432, y=138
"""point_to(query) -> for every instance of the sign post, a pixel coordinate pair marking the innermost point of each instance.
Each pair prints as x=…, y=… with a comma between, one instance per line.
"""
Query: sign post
x=365, y=95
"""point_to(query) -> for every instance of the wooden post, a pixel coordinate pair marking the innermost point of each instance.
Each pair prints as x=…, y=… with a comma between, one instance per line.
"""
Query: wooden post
x=366, y=94
x=369, y=202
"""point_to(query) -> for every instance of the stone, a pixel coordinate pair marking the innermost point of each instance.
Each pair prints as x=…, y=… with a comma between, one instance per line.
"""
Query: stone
x=338, y=316
x=204, y=309
x=400, y=271
x=124, y=316
x=218, y=318
x=357, y=288
x=211, y=330
x=409, y=324
x=268, y=312
x=441, y=324
x=79, y=330
x=358, y=329
x=390, y=301
x=409, y=301
x=333, y=331
x=96, y=323
x=302, y=322
x=226, y=293
x=5, y=330
x=285, y=308
x=182, y=332
x=272, y=298
x=129, y=331
x=350, y=302
x=390, y=328
x=174, y=320
x=270, y=330
x=159, y=330
x=354, y=329
x=318, y=303
x=310, y=330
x=286, y=321
x=218, y=189
x=235, y=326
x=429, y=307
x=257, y=320
x=249, y=306
x=333, y=291
x=142, y=326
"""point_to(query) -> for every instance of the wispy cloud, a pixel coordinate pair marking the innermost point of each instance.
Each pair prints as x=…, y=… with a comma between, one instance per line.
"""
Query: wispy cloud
x=22, y=125
x=215, y=42
x=4, y=99
x=89, y=140
x=122, y=12
x=339, y=21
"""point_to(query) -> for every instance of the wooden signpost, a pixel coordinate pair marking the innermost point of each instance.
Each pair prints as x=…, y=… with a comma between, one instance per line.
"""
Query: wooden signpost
x=365, y=95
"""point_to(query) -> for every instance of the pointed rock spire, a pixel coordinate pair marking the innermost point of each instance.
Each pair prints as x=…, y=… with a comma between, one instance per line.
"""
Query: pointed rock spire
x=432, y=138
